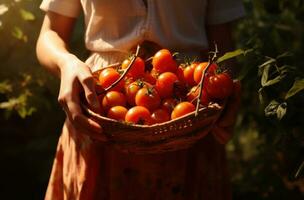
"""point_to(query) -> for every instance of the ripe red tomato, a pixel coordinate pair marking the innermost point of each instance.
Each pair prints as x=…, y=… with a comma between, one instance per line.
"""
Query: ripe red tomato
x=169, y=104
x=165, y=84
x=137, y=69
x=132, y=89
x=193, y=94
x=149, y=78
x=189, y=74
x=198, y=71
x=108, y=76
x=147, y=97
x=160, y=116
x=182, y=109
x=163, y=61
x=118, y=113
x=180, y=74
x=138, y=115
x=113, y=98
x=219, y=86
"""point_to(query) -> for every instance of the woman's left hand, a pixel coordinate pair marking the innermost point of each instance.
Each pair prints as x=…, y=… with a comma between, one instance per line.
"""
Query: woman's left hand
x=223, y=129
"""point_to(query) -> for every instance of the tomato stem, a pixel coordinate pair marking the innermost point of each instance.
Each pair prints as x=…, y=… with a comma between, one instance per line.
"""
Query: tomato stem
x=210, y=61
x=126, y=71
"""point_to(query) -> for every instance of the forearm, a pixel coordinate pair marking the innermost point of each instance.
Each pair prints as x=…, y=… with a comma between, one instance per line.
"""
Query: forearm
x=52, y=49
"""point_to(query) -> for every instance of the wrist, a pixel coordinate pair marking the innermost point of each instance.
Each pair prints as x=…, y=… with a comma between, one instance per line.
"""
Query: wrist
x=64, y=60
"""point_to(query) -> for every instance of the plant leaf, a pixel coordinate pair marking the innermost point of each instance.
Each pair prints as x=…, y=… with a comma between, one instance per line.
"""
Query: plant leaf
x=271, y=109
x=298, y=85
x=18, y=33
x=281, y=110
x=265, y=75
x=274, y=81
x=299, y=170
x=268, y=62
x=233, y=54
x=5, y=87
x=283, y=55
x=27, y=15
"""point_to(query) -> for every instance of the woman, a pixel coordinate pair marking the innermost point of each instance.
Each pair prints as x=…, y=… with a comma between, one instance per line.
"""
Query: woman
x=86, y=169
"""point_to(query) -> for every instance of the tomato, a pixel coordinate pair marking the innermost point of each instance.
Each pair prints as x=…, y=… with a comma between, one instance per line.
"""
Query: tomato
x=169, y=104
x=149, y=78
x=182, y=109
x=189, y=74
x=219, y=86
x=128, y=81
x=180, y=74
x=133, y=88
x=154, y=73
x=113, y=98
x=118, y=113
x=108, y=76
x=163, y=61
x=165, y=84
x=160, y=116
x=193, y=94
x=147, y=97
x=138, y=115
x=198, y=71
x=137, y=69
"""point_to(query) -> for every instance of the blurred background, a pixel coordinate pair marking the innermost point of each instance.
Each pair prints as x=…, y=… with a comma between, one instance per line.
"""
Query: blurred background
x=266, y=155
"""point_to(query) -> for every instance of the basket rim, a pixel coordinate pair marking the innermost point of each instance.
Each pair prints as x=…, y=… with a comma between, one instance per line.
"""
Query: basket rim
x=211, y=107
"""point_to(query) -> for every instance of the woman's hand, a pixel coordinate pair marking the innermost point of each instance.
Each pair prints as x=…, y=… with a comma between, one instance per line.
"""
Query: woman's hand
x=223, y=129
x=76, y=78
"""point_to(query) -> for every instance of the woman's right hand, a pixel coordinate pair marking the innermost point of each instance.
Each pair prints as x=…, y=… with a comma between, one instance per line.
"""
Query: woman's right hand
x=76, y=77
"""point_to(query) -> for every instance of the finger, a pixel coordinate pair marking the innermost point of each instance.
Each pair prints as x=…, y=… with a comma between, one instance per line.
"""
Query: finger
x=222, y=135
x=228, y=118
x=78, y=119
x=98, y=135
x=87, y=81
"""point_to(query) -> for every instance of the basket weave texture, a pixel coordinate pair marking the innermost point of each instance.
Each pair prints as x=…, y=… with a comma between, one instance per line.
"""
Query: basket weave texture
x=177, y=134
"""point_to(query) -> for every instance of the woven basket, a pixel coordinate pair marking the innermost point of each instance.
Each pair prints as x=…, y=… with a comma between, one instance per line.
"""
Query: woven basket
x=177, y=134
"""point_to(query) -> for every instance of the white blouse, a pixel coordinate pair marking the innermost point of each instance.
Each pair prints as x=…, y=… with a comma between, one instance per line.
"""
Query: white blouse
x=118, y=25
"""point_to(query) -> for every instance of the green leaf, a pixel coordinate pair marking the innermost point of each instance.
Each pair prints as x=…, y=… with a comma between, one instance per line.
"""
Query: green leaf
x=274, y=81
x=268, y=62
x=299, y=170
x=277, y=109
x=281, y=110
x=261, y=96
x=298, y=85
x=10, y=104
x=5, y=87
x=265, y=75
x=27, y=15
x=18, y=33
x=285, y=54
x=271, y=109
x=233, y=54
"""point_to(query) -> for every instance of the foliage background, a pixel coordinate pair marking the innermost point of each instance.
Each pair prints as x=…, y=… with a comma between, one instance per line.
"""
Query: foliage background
x=266, y=153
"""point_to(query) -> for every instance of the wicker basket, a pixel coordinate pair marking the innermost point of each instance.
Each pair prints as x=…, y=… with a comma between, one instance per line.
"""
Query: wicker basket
x=173, y=135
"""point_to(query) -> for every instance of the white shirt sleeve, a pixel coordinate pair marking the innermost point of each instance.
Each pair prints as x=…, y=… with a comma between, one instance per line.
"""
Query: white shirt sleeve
x=222, y=11
x=69, y=8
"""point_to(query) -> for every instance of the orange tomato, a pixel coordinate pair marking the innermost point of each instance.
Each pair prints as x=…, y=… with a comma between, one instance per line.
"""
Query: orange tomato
x=118, y=113
x=138, y=115
x=182, y=109
x=163, y=61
